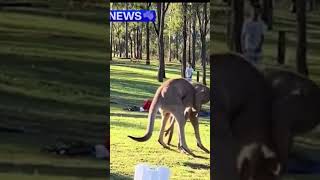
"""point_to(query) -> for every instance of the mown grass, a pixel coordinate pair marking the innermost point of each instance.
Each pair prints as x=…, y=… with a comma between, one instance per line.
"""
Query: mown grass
x=130, y=85
x=53, y=75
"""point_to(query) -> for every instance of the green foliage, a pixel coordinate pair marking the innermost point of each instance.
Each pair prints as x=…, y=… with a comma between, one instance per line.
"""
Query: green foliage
x=174, y=18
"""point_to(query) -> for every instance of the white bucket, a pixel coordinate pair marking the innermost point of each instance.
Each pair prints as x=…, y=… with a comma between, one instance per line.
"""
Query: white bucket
x=146, y=172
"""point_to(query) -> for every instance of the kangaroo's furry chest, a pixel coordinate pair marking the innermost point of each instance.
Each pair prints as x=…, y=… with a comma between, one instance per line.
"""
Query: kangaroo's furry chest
x=175, y=95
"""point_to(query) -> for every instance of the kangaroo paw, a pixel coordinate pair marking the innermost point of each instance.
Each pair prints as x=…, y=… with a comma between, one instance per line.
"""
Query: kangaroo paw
x=163, y=144
x=203, y=148
x=186, y=151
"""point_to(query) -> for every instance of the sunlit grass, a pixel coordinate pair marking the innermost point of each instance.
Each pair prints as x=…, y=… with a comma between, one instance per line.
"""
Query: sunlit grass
x=131, y=84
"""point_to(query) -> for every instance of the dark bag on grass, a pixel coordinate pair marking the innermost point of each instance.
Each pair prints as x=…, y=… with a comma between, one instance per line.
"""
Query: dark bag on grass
x=132, y=108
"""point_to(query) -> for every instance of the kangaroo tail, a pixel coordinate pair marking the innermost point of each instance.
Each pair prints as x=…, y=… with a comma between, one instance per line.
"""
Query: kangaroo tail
x=152, y=115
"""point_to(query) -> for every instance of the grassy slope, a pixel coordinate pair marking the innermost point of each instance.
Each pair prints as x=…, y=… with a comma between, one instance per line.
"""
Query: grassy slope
x=131, y=84
x=52, y=81
x=283, y=20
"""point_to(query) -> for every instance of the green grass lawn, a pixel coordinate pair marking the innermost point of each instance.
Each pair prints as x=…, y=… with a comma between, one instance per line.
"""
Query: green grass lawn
x=130, y=85
x=53, y=84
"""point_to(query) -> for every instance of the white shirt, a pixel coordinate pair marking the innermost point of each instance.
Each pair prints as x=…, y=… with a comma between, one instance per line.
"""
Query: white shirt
x=252, y=32
x=189, y=72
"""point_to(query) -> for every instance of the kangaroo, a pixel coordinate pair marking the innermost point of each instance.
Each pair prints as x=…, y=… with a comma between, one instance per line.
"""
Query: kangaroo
x=241, y=141
x=173, y=97
x=193, y=116
x=295, y=108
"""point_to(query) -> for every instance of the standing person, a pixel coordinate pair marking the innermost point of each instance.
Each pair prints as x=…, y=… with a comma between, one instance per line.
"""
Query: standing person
x=253, y=36
x=188, y=73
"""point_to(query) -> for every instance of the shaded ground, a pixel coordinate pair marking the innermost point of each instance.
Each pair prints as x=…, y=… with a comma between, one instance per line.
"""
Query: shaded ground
x=52, y=85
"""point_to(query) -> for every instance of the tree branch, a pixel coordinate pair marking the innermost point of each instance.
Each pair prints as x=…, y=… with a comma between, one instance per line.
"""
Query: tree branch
x=200, y=22
x=159, y=11
x=206, y=18
x=206, y=25
x=155, y=28
x=207, y=30
x=166, y=8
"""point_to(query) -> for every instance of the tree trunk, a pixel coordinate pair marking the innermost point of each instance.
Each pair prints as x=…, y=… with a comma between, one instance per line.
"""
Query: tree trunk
x=193, y=63
x=120, y=48
x=198, y=75
x=111, y=40
x=293, y=6
x=169, y=57
x=267, y=12
x=203, y=57
x=177, y=47
x=140, y=48
x=160, y=43
x=115, y=48
x=229, y=25
x=126, y=46
x=282, y=47
x=184, y=49
x=189, y=42
x=203, y=22
x=236, y=24
x=161, y=58
x=134, y=43
x=137, y=45
x=270, y=16
x=148, y=44
x=161, y=8
x=312, y=4
x=301, y=42
x=131, y=42
x=148, y=40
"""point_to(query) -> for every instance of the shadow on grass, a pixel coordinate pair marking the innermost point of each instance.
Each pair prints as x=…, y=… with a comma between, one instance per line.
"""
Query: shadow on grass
x=22, y=101
x=88, y=73
x=201, y=157
x=134, y=125
x=53, y=170
x=58, y=41
x=122, y=75
x=171, y=68
x=142, y=115
x=131, y=88
x=49, y=125
x=114, y=176
x=124, y=98
x=196, y=165
x=145, y=87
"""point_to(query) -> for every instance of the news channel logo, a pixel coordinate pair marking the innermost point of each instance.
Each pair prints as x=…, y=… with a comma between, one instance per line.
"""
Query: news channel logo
x=132, y=15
